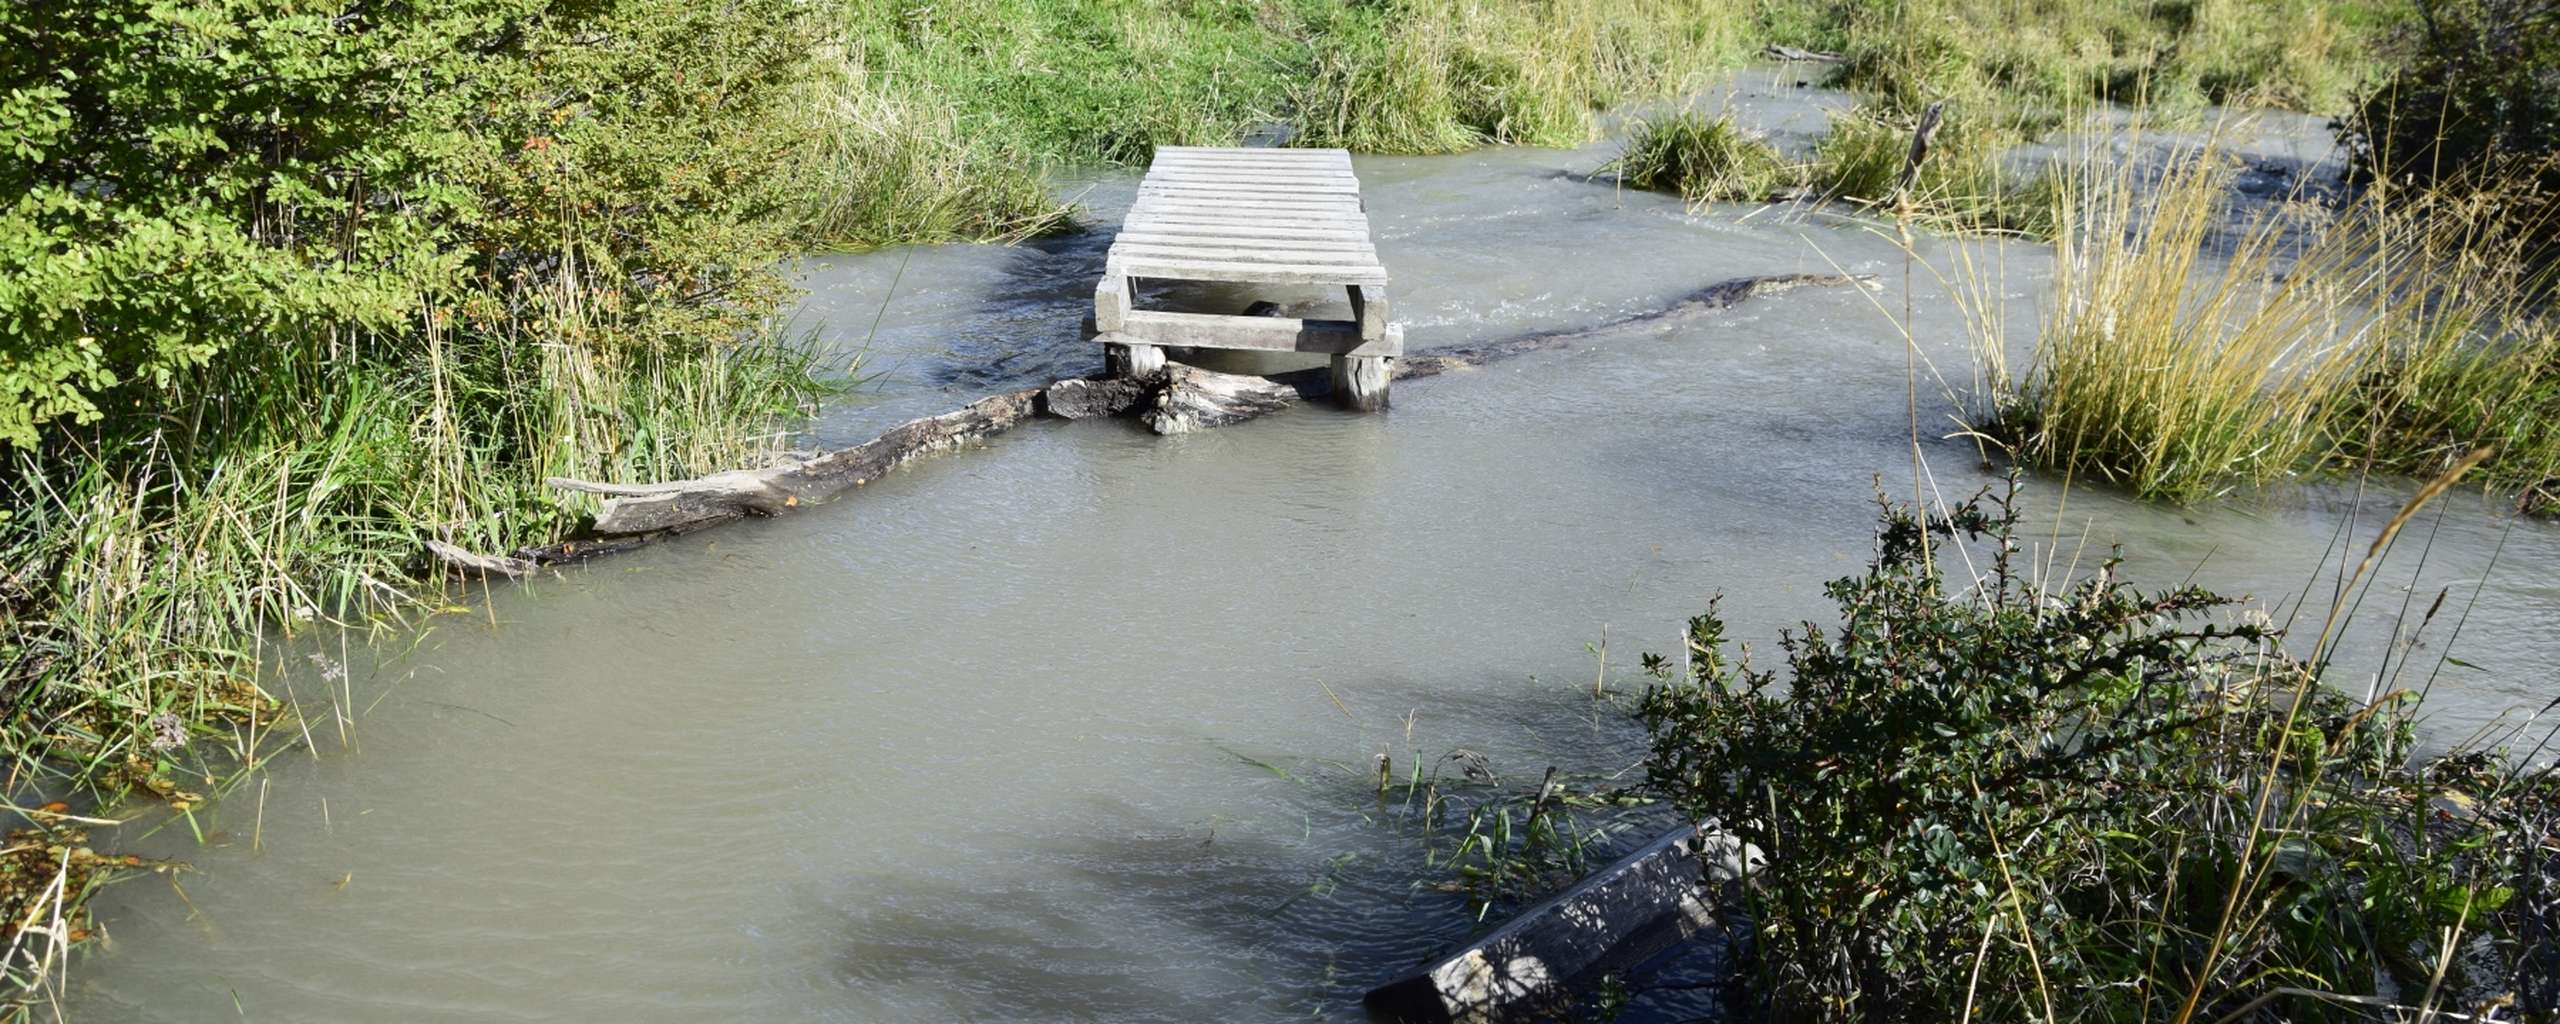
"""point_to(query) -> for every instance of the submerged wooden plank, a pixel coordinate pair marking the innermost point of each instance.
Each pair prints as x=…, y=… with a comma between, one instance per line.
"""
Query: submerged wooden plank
x=1258, y=333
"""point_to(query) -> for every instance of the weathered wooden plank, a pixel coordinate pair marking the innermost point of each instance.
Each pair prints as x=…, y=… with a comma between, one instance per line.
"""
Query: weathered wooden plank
x=1233, y=254
x=1281, y=208
x=1369, y=307
x=1213, y=249
x=1327, y=163
x=1110, y=301
x=1252, y=153
x=1250, y=171
x=1247, y=229
x=1242, y=211
x=1267, y=179
x=1248, y=191
x=1212, y=215
x=1207, y=160
x=1215, y=237
x=1242, y=180
x=1248, y=202
x=1258, y=333
x=1180, y=226
x=1254, y=273
x=1284, y=177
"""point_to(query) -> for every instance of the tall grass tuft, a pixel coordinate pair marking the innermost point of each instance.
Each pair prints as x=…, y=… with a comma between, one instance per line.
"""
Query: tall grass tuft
x=2470, y=354
x=2187, y=349
x=1963, y=184
x=1703, y=160
x=896, y=165
x=2165, y=368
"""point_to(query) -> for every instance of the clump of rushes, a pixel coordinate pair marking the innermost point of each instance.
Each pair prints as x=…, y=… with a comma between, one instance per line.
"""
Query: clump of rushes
x=2183, y=354
x=1963, y=184
x=1703, y=160
x=2469, y=356
x=2162, y=369
x=1981, y=799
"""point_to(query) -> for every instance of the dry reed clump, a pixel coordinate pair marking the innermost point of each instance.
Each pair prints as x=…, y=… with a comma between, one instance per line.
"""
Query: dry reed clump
x=1428, y=76
x=2186, y=350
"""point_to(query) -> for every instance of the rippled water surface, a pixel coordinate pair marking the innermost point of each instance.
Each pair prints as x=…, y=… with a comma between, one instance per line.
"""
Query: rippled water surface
x=996, y=737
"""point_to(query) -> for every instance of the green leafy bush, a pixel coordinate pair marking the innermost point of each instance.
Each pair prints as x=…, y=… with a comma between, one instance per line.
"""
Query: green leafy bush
x=287, y=288
x=2476, y=98
x=1983, y=800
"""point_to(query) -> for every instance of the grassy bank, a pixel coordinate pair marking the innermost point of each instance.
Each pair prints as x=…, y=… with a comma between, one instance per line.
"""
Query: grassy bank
x=274, y=315
x=945, y=117
x=2003, y=74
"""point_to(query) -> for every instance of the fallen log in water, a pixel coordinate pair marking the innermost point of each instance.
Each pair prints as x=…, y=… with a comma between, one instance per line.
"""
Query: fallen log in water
x=1620, y=916
x=1171, y=400
x=1798, y=54
x=685, y=504
x=1191, y=398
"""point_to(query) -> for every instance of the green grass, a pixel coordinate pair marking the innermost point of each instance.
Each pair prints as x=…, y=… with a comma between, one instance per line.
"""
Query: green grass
x=2044, y=59
x=945, y=117
x=1703, y=160
x=1963, y=184
x=1427, y=76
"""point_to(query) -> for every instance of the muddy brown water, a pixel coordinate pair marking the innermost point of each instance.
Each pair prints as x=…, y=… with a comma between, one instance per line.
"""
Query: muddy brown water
x=1074, y=726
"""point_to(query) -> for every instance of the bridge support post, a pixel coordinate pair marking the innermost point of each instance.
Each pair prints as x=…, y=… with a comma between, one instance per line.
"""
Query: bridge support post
x=1360, y=382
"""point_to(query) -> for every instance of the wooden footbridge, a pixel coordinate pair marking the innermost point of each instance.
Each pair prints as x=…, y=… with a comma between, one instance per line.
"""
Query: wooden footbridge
x=1251, y=216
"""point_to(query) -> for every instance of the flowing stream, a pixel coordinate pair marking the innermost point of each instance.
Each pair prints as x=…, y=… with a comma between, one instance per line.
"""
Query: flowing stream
x=1077, y=725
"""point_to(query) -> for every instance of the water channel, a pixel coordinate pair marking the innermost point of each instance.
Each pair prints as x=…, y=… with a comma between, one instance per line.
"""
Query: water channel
x=1074, y=726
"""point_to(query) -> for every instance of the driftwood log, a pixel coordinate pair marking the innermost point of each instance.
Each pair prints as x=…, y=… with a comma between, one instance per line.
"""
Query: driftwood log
x=1616, y=918
x=1172, y=399
x=1784, y=52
